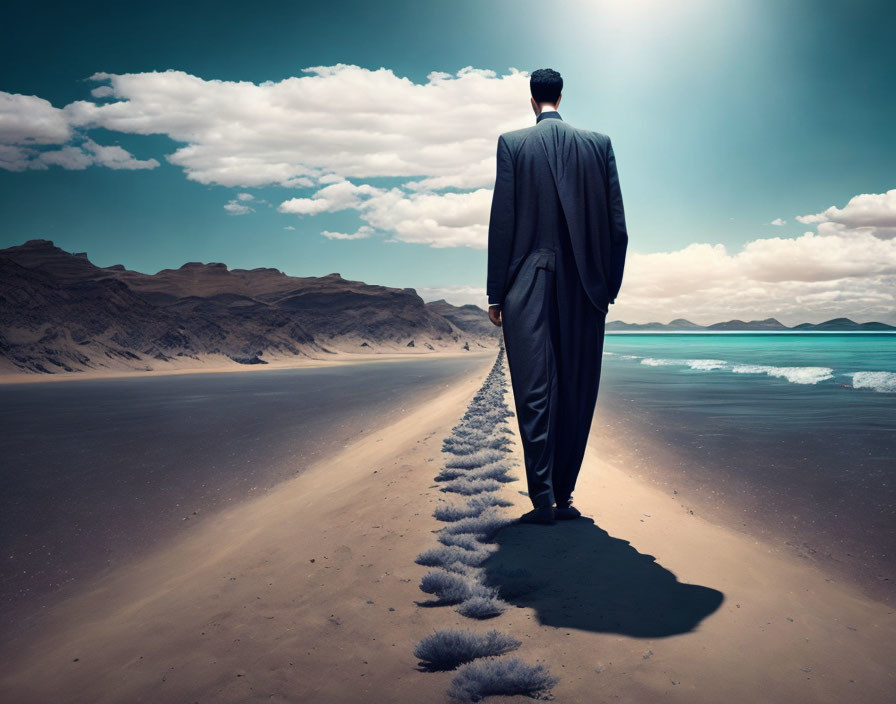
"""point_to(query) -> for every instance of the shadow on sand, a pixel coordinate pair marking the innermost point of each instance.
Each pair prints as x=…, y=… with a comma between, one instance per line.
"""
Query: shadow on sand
x=574, y=574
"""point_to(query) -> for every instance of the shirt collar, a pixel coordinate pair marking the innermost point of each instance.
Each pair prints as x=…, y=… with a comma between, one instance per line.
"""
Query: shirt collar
x=548, y=114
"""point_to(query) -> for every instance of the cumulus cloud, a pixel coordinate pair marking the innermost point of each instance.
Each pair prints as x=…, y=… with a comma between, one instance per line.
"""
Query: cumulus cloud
x=871, y=213
x=333, y=128
x=72, y=158
x=89, y=153
x=237, y=206
x=330, y=124
x=343, y=119
x=847, y=267
x=14, y=158
x=31, y=129
x=361, y=233
x=778, y=222
x=340, y=195
x=29, y=120
x=436, y=219
x=810, y=278
x=114, y=157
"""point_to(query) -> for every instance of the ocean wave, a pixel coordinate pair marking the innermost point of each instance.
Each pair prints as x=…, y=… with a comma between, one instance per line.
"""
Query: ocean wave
x=698, y=364
x=879, y=381
x=882, y=381
x=706, y=364
x=795, y=375
x=658, y=361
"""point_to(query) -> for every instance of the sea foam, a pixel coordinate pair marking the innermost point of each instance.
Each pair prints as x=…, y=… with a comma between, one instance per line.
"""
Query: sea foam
x=795, y=375
x=698, y=364
x=879, y=381
x=706, y=364
x=659, y=361
x=882, y=381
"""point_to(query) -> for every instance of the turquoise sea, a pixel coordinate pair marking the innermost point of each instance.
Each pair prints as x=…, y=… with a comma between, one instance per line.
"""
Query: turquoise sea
x=844, y=360
x=794, y=432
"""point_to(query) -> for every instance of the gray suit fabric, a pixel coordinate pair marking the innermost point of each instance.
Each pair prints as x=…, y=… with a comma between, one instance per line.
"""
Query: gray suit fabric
x=556, y=253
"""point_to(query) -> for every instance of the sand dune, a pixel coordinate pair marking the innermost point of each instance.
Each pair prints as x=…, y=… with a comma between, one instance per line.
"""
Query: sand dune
x=311, y=593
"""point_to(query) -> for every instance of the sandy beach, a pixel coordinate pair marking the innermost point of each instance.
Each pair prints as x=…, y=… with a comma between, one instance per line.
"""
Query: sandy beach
x=310, y=593
x=216, y=364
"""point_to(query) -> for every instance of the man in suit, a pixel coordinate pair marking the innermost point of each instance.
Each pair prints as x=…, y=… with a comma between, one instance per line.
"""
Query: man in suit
x=556, y=249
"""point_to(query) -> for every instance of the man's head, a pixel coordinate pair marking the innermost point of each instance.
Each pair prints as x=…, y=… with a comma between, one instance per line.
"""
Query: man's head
x=546, y=85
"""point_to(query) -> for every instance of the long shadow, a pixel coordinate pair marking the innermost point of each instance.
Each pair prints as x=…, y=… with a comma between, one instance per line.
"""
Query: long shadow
x=574, y=574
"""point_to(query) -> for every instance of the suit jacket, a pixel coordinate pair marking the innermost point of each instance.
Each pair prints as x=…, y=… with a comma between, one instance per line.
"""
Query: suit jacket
x=553, y=179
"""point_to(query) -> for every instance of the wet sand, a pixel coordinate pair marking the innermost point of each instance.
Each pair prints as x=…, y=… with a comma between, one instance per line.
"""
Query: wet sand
x=801, y=496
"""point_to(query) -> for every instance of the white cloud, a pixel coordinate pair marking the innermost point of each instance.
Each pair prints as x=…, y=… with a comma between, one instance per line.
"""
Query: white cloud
x=235, y=207
x=28, y=120
x=777, y=221
x=71, y=158
x=810, y=278
x=14, y=158
x=436, y=219
x=333, y=127
x=331, y=198
x=845, y=272
x=89, y=154
x=817, y=257
x=289, y=227
x=332, y=122
x=29, y=124
x=114, y=157
x=245, y=196
x=344, y=120
x=362, y=232
x=871, y=213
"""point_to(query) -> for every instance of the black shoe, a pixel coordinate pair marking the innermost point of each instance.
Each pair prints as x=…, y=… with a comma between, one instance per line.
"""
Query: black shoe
x=543, y=515
x=565, y=513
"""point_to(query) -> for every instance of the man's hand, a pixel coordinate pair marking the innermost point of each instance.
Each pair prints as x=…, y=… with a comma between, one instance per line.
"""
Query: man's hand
x=494, y=314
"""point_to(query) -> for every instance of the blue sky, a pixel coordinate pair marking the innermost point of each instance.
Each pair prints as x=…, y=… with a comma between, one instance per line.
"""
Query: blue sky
x=725, y=116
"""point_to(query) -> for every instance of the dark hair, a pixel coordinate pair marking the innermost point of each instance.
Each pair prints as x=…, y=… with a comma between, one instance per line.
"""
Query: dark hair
x=545, y=85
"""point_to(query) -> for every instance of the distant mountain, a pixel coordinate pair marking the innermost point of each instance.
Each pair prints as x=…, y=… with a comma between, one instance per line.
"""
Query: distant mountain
x=767, y=324
x=843, y=325
x=62, y=313
x=833, y=325
x=682, y=324
x=677, y=324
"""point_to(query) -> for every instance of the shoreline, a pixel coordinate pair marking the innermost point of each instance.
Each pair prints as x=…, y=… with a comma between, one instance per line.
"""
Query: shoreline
x=737, y=506
x=340, y=358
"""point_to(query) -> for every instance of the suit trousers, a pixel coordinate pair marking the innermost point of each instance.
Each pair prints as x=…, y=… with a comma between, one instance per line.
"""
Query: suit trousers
x=553, y=338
